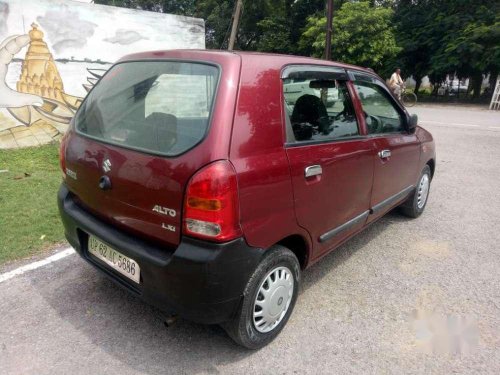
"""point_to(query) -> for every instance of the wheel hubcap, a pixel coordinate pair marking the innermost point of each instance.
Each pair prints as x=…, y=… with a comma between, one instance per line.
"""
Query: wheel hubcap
x=423, y=191
x=273, y=299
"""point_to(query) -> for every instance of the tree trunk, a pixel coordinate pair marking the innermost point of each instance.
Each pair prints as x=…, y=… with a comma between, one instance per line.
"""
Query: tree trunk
x=418, y=82
x=435, y=88
x=476, y=84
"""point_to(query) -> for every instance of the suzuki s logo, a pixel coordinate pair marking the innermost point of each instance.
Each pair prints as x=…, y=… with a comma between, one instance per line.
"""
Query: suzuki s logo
x=106, y=166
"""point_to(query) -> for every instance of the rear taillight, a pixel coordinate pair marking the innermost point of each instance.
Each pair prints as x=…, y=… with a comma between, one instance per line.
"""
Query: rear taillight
x=211, y=209
x=62, y=155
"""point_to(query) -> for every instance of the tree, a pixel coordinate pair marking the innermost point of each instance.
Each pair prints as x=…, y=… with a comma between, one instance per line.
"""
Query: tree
x=275, y=37
x=281, y=29
x=217, y=16
x=300, y=12
x=474, y=49
x=448, y=37
x=362, y=35
x=413, y=35
x=180, y=7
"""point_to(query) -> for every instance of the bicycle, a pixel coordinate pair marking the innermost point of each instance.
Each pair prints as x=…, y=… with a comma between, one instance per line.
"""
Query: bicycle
x=409, y=99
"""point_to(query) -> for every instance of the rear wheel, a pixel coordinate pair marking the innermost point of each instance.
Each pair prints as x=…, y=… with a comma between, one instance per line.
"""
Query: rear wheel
x=268, y=299
x=415, y=204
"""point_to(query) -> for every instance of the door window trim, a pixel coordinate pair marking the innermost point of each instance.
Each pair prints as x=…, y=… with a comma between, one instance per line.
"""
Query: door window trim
x=292, y=144
x=296, y=70
x=387, y=93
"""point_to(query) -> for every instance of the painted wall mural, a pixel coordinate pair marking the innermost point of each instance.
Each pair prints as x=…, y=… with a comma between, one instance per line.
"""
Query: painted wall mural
x=45, y=71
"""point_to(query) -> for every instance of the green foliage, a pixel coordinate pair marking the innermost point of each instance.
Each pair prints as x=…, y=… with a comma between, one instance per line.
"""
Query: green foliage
x=474, y=47
x=217, y=16
x=362, y=35
x=448, y=37
x=414, y=37
x=275, y=35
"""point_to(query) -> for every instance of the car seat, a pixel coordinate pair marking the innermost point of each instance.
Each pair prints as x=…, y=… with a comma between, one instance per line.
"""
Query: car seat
x=310, y=109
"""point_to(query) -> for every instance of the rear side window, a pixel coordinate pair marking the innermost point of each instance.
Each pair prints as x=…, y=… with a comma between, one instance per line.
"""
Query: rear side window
x=161, y=107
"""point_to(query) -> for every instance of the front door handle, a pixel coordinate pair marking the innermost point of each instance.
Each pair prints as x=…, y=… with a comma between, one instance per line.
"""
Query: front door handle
x=313, y=170
x=384, y=154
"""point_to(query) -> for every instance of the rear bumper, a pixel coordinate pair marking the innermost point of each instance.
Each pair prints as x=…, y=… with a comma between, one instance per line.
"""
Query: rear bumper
x=200, y=281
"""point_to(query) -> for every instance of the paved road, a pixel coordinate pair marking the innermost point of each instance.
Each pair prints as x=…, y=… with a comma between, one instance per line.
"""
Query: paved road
x=472, y=117
x=405, y=296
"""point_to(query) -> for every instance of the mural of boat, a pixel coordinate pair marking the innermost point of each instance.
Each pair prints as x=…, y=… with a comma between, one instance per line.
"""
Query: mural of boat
x=73, y=102
x=97, y=73
x=87, y=87
x=51, y=111
x=92, y=81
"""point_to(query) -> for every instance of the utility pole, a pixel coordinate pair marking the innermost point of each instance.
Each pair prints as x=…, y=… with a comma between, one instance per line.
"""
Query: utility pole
x=329, y=22
x=236, y=20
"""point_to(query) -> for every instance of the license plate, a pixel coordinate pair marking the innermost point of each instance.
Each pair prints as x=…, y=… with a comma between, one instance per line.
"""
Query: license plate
x=116, y=260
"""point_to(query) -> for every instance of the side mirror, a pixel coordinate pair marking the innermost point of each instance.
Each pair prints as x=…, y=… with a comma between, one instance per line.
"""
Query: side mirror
x=412, y=123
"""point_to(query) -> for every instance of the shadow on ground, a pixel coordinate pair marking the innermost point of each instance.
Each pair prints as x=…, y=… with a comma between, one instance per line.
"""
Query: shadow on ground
x=135, y=333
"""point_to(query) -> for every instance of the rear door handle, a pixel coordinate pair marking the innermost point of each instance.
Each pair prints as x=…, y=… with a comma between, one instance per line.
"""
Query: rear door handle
x=313, y=170
x=384, y=154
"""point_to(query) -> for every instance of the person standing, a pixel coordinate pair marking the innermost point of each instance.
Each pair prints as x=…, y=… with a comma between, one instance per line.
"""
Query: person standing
x=396, y=83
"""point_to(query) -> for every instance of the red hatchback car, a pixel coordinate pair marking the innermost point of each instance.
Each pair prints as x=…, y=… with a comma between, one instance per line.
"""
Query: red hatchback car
x=204, y=182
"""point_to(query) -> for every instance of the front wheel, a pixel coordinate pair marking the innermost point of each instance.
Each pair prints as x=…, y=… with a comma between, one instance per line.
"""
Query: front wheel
x=409, y=99
x=415, y=204
x=268, y=299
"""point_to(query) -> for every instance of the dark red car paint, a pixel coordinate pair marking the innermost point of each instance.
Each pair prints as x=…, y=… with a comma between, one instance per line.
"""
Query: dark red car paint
x=247, y=127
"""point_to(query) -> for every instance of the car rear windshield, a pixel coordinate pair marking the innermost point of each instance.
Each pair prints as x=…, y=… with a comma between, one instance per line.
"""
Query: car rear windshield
x=160, y=107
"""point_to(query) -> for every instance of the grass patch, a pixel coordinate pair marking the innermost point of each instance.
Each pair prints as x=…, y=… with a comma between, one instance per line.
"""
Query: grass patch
x=29, y=219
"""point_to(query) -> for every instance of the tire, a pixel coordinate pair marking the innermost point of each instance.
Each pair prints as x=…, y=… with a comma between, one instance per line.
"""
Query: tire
x=409, y=99
x=416, y=202
x=243, y=329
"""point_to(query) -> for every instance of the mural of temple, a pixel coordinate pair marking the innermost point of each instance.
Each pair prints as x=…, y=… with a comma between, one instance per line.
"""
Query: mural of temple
x=39, y=74
x=38, y=78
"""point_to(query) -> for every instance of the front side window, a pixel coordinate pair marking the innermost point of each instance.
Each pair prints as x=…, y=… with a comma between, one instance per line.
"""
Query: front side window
x=162, y=107
x=380, y=113
x=319, y=109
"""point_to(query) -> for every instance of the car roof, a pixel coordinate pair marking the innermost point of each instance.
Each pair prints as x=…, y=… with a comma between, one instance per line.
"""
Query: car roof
x=263, y=60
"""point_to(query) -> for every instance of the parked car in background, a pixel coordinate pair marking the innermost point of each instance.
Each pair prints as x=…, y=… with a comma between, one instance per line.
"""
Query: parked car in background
x=205, y=182
x=453, y=87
